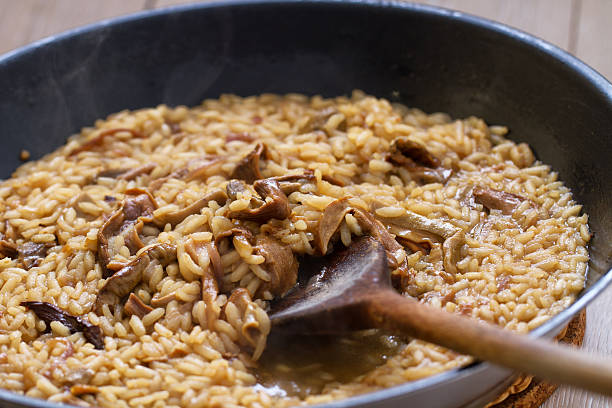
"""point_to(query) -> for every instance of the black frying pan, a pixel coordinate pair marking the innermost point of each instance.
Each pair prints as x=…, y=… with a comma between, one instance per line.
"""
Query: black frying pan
x=425, y=57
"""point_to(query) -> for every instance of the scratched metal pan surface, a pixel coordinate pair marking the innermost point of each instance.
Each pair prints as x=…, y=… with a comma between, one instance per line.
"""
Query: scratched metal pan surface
x=431, y=58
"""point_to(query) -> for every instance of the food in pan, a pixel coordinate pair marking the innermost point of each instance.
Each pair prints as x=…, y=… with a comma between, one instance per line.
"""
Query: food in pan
x=139, y=259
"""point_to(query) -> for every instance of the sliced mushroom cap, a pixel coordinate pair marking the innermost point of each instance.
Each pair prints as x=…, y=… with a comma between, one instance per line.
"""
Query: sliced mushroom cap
x=422, y=165
x=138, y=171
x=8, y=249
x=50, y=313
x=247, y=168
x=97, y=140
x=276, y=204
x=136, y=208
x=135, y=306
x=177, y=217
x=234, y=187
x=280, y=263
x=334, y=214
x=127, y=174
x=416, y=222
x=199, y=168
x=497, y=199
x=127, y=278
x=452, y=248
x=332, y=217
x=31, y=254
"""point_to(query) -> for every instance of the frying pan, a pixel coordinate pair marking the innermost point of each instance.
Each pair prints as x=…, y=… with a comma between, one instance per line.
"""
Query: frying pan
x=434, y=59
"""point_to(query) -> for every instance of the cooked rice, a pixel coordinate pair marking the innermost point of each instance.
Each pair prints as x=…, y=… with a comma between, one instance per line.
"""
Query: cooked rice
x=516, y=270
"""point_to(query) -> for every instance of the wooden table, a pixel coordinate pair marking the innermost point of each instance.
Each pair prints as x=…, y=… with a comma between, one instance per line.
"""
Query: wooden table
x=579, y=26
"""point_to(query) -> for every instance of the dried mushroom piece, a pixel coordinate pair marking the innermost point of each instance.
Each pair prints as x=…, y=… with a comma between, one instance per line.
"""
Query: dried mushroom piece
x=97, y=140
x=280, y=263
x=177, y=217
x=8, y=249
x=127, y=278
x=497, y=199
x=247, y=168
x=50, y=313
x=135, y=306
x=29, y=254
x=332, y=218
x=199, y=168
x=242, y=312
x=420, y=163
x=136, y=209
x=276, y=204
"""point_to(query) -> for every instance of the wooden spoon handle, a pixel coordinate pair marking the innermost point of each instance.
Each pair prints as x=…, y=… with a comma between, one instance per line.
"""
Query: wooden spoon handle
x=547, y=360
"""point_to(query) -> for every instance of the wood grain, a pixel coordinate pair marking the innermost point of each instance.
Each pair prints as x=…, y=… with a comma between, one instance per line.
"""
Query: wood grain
x=24, y=21
x=598, y=339
x=547, y=19
x=594, y=44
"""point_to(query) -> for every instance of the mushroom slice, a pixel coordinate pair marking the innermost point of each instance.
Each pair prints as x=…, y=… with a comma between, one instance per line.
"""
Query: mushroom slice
x=177, y=217
x=8, y=249
x=415, y=152
x=128, y=220
x=234, y=187
x=31, y=254
x=420, y=163
x=416, y=222
x=497, y=199
x=247, y=168
x=280, y=263
x=199, y=168
x=127, y=278
x=332, y=217
x=451, y=249
x=127, y=174
x=50, y=313
x=276, y=204
x=97, y=140
x=135, y=306
x=138, y=171
x=334, y=214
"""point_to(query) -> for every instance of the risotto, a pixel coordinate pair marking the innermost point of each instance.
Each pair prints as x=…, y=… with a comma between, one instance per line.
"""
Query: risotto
x=139, y=260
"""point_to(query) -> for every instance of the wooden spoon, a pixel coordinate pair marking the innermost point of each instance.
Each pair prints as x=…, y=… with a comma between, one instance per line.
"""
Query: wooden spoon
x=352, y=291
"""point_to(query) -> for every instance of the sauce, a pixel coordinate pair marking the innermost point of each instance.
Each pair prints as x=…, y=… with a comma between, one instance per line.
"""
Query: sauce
x=298, y=365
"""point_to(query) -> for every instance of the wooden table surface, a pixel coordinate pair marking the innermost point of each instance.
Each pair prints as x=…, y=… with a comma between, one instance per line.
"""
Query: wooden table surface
x=581, y=27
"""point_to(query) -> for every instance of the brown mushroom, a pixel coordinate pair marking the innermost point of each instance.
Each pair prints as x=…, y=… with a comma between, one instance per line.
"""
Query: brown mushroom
x=127, y=278
x=135, y=306
x=280, y=263
x=247, y=169
x=243, y=137
x=138, y=171
x=136, y=209
x=31, y=254
x=50, y=313
x=234, y=187
x=177, y=217
x=420, y=163
x=497, y=199
x=333, y=216
x=199, y=168
x=97, y=140
x=452, y=254
x=8, y=249
x=276, y=204
x=420, y=224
